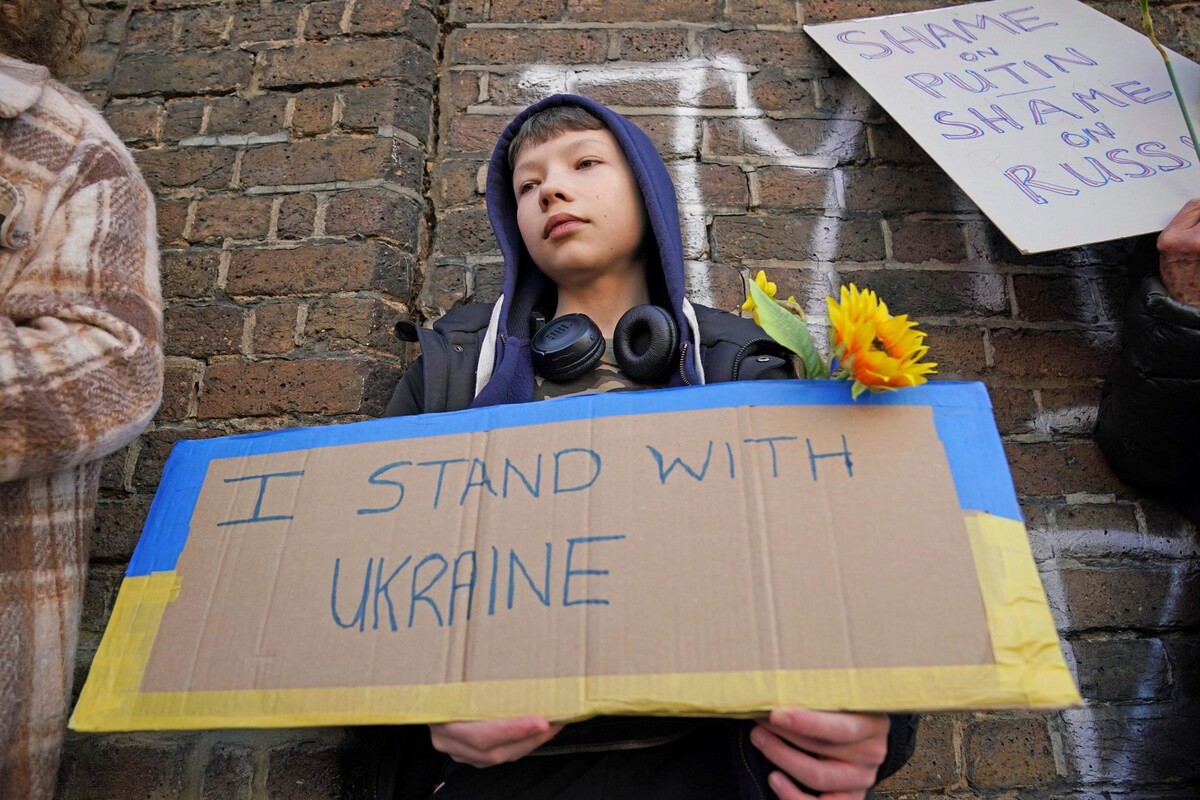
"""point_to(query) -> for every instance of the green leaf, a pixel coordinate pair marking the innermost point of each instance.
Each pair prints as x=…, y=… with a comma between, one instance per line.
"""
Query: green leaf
x=790, y=331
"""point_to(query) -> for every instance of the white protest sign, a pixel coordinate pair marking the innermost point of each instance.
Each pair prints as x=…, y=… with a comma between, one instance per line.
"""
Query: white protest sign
x=1058, y=121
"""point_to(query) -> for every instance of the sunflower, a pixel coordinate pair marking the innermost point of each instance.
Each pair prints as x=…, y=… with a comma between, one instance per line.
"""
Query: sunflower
x=770, y=288
x=874, y=349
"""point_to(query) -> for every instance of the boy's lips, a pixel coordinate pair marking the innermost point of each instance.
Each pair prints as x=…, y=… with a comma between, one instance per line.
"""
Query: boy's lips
x=560, y=224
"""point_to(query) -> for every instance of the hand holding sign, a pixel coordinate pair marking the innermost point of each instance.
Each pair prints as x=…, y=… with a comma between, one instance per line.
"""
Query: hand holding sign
x=825, y=751
x=492, y=742
x=1179, y=254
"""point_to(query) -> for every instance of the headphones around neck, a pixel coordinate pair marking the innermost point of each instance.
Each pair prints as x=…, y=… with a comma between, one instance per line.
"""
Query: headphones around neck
x=644, y=343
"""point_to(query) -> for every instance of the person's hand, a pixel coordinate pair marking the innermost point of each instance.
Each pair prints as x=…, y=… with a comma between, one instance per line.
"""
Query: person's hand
x=1179, y=254
x=835, y=754
x=492, y=742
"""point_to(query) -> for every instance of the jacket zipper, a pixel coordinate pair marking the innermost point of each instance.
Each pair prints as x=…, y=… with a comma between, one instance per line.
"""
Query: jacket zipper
x=742, y=737
x=682, y=360
x=737, y=360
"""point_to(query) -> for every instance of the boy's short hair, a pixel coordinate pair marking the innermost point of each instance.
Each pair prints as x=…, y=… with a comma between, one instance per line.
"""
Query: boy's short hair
x=548, y=123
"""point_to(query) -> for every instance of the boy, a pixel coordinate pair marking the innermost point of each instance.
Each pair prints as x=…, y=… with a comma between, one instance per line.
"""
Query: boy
x=585, y=214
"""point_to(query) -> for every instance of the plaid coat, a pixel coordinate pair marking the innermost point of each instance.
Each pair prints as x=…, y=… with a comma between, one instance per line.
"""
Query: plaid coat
x=80, y=376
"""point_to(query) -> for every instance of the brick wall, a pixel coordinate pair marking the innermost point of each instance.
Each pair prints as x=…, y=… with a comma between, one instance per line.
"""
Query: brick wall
x=318, y=168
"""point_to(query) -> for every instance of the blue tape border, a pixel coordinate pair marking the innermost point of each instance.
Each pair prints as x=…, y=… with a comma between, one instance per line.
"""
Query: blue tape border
x=962, y=416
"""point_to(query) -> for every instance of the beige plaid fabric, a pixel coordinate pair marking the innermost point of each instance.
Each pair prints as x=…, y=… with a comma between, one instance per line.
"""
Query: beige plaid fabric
x=80, y=375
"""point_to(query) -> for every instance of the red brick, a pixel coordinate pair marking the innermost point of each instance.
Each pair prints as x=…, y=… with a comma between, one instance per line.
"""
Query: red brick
x=148, y=31
x=1069, y=410
x=304, y=770
x=324, y=268
x=275, y=328
x=1014, y=409
x=796, y=187
x=313, y=111
x=112, y=471
x=202, y=331
x=370, y=212
x=1106, y=517
x=1155, y=742
x=277, y=22
x=474, y=134
x=1052, y=469
x=527, y=11
x=464, y=231
x=958, y=351
x=229, y=773
x=775, y=89
x=184, y=118
x=445, y=287
x=179, y=384
x=843, y=97
x=118, y=527
x=925, y=293
x=156, y=448
x=759, y=12
x=317, y=161
x=297, y=213
x=843, y=140
x=99, y=594
x=516, y=89
x=1121, y=670
x=341, y=62
x=182, y=73
x=1050, y=298
x=134, y=122
x=136, y=769
x=503, y=46
x=756, y=236
x=404, y=107
x=238, y=116
x=190, y=273
x=916, y=241
x=1048, y=354
x=890, y=143
x=672, y=136
x=172, y=216
x=269, y=388
x=325, y=19
x=764, y=48
x=710, y=184
x=404, y=17
x=468, y=11
x=933, y=764
x=1009, y=752
x=1134, y=595
x=351, y=324
x=832, y=10
x=656, y=44
x=655, y=91
x=897, y=189
x=456, y=181
x=641, y=11
x=232, y=216
x=203, y=167
x=203, y=28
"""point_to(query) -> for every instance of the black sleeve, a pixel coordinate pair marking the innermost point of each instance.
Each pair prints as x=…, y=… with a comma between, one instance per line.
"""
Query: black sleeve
x=1149, y=421
x=409, y=396
x=902, y=741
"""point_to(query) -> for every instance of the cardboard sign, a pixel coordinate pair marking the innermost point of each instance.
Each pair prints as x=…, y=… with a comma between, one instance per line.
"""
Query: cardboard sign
x=1059, y=122
x=717, y=550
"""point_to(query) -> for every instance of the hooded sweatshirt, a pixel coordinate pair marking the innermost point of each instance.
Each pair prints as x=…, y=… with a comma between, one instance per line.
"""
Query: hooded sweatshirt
x=505, y=371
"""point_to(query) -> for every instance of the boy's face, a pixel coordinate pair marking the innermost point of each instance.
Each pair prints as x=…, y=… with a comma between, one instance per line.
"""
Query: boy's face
x=578, y=206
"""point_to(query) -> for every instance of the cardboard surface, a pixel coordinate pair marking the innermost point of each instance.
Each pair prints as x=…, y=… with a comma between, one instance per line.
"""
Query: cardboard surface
x=1059, y=122
x=714, y=550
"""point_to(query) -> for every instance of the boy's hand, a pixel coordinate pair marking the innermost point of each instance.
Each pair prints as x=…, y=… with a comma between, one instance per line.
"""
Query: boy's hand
x=492, y=742
x=1179, y=254
x=835, y=754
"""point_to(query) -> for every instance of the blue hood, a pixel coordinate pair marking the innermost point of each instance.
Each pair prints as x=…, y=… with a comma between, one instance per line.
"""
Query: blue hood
x=509, y=379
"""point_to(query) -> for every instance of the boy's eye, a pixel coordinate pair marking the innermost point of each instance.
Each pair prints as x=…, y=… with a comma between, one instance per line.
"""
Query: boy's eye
x=525, y=187
x=588, y=162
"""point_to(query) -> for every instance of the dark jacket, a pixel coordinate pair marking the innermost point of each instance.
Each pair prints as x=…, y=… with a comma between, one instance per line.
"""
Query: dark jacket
x=480, y=355
x=1149, y=421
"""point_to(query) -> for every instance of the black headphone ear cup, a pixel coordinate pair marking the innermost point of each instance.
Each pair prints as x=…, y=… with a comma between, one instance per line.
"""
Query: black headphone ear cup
x=567, y=347
x=645, y=342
